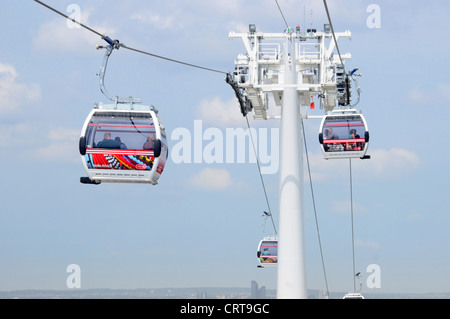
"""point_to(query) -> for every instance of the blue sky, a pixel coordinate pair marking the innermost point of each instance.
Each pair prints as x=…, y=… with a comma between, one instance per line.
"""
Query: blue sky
x=192, y=230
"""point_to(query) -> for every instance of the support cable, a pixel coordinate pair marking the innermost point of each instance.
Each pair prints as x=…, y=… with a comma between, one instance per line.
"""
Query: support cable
x=282, y=15
x=117, y=44
x=71, y=19
x=260, y=174
x=351, y=184
x=353, y=232
x=352, y=73
x=334, y=35
x=315, y=211
x=173, y=60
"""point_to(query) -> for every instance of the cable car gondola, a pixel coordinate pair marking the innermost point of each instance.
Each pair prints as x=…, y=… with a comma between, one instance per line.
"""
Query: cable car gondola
x=123, y=142
x=344, y=134
x=353, y=295
x=268, y=252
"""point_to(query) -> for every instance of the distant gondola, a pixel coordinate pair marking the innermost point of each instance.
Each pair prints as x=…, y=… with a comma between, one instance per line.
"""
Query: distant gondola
x=355, y=295
x=267, y=252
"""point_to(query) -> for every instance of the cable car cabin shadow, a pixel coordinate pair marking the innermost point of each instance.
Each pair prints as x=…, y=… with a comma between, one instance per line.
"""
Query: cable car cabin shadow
x=344, y=134
x=267, y=252
x=123, y=143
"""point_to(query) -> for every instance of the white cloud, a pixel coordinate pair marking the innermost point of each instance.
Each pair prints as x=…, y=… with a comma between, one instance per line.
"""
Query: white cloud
x=383, y=164
x=18, y=135
x=65, y=152
x=394, y=162
x=212, y=179
x=237, y=27
x=344, y=207
x=367, y=244
x=414, y=217
x=63, y=134
x=160, y=21
x=419, y=95
x=12, y=93
x=32, y=140
x=61, y=145
x=416, y=95
x=57, y=35
x=221, y=113
x=443, y=90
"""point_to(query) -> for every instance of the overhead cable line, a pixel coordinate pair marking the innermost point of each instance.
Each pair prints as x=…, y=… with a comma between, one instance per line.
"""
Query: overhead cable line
x=334, y=35
x=353, y=231
x=173, y=60
x=351, y=184
x=260, y=174
x=352, y=73
x=116, y=44
x=282, y=15
x=71, y=19
x=315, y=210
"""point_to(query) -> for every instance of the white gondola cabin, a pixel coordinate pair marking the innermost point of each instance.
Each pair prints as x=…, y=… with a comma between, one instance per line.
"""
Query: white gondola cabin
x=353, y=295
x=123, y=143
x=344, y=134
x=267, y=252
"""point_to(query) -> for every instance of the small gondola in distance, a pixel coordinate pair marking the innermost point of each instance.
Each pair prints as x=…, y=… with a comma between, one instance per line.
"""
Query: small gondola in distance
x=267, y=252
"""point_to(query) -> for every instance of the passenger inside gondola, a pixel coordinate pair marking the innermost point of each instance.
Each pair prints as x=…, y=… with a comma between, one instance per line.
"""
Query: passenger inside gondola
x=268, y=253
x=121, y=144
x=108, y=142
x=353, y=146
x=150, y=143
x=328, y=134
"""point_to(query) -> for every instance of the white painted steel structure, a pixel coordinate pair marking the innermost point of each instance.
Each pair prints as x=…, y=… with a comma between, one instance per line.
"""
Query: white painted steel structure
x=317, y=68
x=292, y=67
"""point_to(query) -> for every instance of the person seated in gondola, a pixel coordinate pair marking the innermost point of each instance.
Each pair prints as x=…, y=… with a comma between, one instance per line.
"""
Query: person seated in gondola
x=150, y=144
x=353, y=146
x=121, y=144
x=328, y=134
x=108, y=142
x=264, y=254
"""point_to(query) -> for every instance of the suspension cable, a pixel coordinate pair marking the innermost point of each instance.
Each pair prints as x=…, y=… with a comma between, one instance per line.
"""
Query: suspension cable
x=315, y=210
x=282, y=15
x=260, y=174
x=71, y=19
x=173, y=60
x=353, y=232
x=350, y=160
x=334, y=35
x=117, y=44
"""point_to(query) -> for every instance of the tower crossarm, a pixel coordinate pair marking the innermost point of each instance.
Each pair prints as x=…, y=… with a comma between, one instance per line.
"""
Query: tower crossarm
x=259, y=71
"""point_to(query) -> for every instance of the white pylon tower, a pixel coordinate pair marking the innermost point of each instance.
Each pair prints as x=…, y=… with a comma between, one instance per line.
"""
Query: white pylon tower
x=291, y=67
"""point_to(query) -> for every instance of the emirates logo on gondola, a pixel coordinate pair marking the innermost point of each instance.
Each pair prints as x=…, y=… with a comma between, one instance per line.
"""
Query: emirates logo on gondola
x=141, y=166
